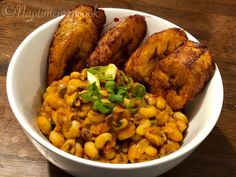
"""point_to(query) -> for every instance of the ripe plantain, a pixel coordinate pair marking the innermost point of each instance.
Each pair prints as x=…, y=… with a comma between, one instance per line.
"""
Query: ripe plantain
x=143, y=60
x=182, y=75
x=119, y=42
x=74, y=40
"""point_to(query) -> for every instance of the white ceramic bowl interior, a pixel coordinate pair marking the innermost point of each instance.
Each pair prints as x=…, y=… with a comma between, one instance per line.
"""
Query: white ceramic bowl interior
x=26, y=80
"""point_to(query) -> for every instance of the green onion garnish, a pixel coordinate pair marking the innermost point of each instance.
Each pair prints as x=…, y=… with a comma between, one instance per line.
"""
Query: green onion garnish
x=104, y=73
x=135, y=104
x=116, y=98
x=92, y=94
x=102, y=107
x=87, y=96
x=110, y=86
x=122, y=91
x=139, y=90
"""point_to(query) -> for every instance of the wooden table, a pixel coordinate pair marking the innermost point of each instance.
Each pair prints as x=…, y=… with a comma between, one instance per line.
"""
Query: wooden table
x=213, y=22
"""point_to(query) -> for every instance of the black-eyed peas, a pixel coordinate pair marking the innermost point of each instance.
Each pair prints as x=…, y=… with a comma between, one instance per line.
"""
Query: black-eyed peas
x=181, y=125
x=90, y=150
x=95, y=117
x=162, y=117
x=169, y=148
x=69, y=146
x=120, y=124
x=139, y=151
x=109, y=124
x=172, y=131
x=102, y=139
x=151, y=100
x=71, y=129
x=71, y=100
x=180, y=116
x=110, y=154
x=79, y=150
x=148, y=112
x=145, y=123
x=75, y=75
x=44, y=125
x=56, y=138
x=155, y=136
x=151, y=151
x=55, y=101
x=127, y=132
x=160, y=103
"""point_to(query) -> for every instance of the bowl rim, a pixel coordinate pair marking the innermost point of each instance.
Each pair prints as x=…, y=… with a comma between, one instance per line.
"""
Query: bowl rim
x=188, y=148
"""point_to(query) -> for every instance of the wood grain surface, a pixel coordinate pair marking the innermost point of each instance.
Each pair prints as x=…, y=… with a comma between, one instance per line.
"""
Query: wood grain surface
x=213, y=22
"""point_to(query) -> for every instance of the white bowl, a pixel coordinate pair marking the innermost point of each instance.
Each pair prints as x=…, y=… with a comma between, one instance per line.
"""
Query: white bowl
x=26, y=79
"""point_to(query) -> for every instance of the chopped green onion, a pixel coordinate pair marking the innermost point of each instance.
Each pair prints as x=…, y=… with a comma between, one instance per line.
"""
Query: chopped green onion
x=135, y=104
x=93, y=79
x=110, y=86
x=133, y=110
x=111, y=71
x=87, y=96
x=92, y=94
x=122, y=91
x=116, y=98
x=123, y=80
x=102, y=107
x=118, y=95
x=139, y=90
x=92, y=87
x=94, y=90
x=104, y=73
x=129, y=82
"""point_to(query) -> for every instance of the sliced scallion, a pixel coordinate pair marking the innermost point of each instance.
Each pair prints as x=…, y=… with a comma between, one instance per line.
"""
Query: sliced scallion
x=104, y=73
x=110, y=86
x=139, y=90
x=102, y=107
x=116, y=98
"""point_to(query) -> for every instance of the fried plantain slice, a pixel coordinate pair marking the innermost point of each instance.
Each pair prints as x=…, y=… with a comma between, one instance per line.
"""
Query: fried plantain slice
x=74, y=40
x=182, y=75
x=143, y=60
x=119, y=42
